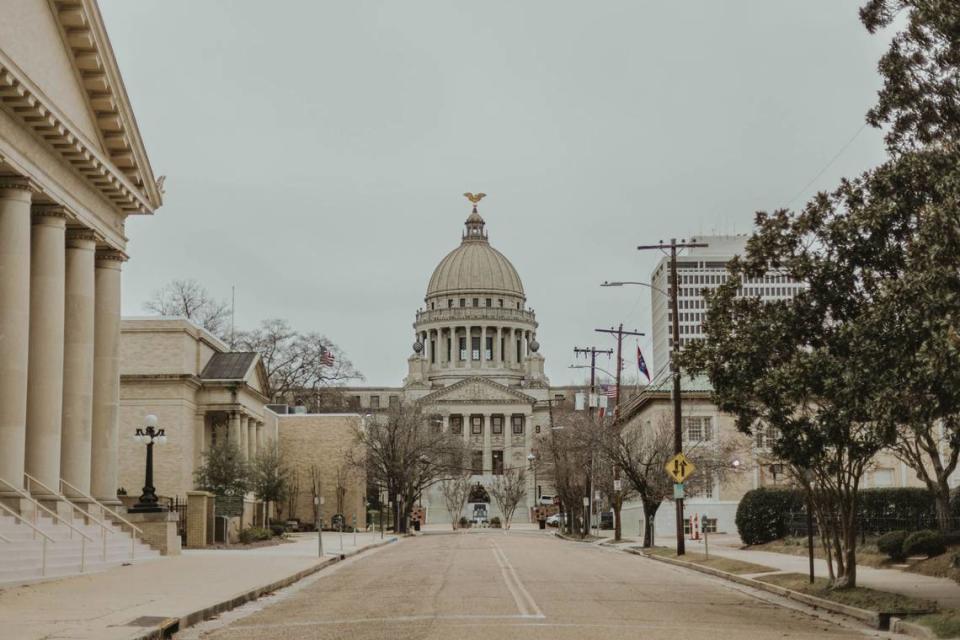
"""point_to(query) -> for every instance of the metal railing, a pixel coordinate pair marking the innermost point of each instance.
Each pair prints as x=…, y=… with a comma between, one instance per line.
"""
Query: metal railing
x=134, y=529
x=36, y=530
x=29, y=480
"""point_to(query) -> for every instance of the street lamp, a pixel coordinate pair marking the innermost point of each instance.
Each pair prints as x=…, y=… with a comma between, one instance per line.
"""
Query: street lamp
x=149, y=435
x=532, y=460
x=620, y=283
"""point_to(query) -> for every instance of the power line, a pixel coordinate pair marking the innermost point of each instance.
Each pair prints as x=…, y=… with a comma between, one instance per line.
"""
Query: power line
x=828, y=165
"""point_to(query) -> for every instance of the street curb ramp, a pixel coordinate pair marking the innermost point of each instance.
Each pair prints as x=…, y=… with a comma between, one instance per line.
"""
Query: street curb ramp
x=875, y=619
x=171, y=625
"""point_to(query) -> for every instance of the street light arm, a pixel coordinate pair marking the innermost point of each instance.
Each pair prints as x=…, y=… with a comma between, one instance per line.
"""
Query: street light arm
x=631, y=282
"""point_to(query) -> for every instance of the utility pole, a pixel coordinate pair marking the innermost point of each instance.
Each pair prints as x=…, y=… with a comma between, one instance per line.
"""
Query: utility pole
x=674, y=366
x=593, y=351
x=619, y=332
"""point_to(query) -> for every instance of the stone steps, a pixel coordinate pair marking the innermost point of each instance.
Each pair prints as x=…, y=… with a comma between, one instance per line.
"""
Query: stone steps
x=21, y=559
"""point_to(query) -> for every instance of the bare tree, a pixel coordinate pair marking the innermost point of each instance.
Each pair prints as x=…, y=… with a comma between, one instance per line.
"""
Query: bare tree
x=508, y=489
x=293, y=495
x=189, y=299
x=455, y=490
x=342, y=473
x=565, y=459
x=406, y=453
x=300, y=367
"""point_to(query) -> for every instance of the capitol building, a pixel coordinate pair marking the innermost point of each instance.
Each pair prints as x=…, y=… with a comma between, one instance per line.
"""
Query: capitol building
x=476, y=367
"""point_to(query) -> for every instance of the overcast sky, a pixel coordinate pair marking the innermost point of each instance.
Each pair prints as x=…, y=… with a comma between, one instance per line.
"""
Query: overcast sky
x=316, y=152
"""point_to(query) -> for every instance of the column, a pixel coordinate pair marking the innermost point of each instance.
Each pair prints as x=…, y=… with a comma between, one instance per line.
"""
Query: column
x=441, y=348
x=78, y=344
x=45, y=371
x=487, y=445
x=199, y=438
x=469, y=331
x=261, y=435
x=106, y=376
x=508, y=351
x=15, y=196
x=234, y=435
x=497, y=356
x=252, y=438
x=242, y=438
x=483, y=346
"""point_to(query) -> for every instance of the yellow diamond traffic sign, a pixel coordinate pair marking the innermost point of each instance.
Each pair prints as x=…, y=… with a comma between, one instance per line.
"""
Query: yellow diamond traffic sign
x=679, y=468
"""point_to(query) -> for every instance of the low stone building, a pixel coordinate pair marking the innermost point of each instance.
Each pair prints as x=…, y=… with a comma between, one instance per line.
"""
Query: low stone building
x=199, y=392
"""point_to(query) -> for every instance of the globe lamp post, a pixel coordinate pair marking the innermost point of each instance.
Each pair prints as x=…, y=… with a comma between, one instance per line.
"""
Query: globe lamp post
x=149, y=435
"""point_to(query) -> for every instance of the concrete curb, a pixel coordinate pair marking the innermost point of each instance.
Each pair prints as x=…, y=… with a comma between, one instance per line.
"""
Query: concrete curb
x=874, y=619
x=171, y=625
x=899, y=625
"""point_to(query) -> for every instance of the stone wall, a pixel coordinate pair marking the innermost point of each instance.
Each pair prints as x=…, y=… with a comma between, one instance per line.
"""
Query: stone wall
x=322, y=441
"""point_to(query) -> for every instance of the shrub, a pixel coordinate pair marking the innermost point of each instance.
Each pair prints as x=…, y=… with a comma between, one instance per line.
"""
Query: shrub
x=761, y=514
x=951, y=538
x=278, y=529
x=464, y=523
x=924, y=543
x=495, y=522
x=254, y=534
x=893, y=508
x=892, y=544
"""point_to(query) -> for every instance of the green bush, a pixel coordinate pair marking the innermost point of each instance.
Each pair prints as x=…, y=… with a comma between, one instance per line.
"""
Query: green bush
x=254, y=534
x=892, y=544
x=924, y=543
x=761, y=515
x=495, y=522
x=464, y=523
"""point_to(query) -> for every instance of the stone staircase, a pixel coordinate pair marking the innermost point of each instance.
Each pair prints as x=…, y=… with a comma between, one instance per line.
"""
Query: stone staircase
x=67, y=553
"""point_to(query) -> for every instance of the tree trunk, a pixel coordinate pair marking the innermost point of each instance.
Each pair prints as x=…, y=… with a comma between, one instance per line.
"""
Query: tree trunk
x=649, y=513
x=942, y=498
x=617, y=527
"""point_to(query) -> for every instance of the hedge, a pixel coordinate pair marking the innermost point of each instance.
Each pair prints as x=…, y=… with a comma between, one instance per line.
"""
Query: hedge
x=761, y=514
x=924, y=543
x=766, y=514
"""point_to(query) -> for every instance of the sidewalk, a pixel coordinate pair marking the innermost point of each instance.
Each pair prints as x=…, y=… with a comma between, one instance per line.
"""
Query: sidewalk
x=943, y=590
x=102, y=606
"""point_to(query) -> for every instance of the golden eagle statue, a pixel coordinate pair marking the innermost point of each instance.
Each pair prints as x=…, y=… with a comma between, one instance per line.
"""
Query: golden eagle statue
x=474, y=197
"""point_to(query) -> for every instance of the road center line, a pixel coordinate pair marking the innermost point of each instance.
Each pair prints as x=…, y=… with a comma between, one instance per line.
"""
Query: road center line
x=529, y=606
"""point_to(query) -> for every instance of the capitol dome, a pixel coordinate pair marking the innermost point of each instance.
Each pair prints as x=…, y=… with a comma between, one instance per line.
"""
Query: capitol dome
x=475, y=267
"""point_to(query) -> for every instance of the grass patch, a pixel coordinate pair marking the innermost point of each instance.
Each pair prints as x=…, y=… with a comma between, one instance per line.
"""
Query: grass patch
x=939, y=567
x=861, y=597
x=867, y=553
x=714, y=562
x=946, y=624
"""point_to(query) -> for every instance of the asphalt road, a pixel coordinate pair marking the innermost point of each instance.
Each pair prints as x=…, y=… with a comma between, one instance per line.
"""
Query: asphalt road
x=520, y=585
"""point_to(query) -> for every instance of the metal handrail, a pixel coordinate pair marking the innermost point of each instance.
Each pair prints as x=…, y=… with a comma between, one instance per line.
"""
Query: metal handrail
x=36, y=530
x=104, y=529
x=134, y=529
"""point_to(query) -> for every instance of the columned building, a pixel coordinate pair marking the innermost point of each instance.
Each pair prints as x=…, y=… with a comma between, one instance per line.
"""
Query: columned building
x=72, y=168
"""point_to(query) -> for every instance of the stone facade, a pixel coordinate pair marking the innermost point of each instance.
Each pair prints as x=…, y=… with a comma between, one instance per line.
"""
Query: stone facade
x=72, y=168
x=322, y=442
x=167, y=369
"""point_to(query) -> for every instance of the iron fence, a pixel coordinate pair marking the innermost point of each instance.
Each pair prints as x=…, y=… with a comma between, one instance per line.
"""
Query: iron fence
x=795, y=524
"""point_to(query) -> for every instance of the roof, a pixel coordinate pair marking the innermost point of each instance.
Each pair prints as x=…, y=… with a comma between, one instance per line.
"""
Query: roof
x=475, y=267
x=228, y=366
x=664, y=387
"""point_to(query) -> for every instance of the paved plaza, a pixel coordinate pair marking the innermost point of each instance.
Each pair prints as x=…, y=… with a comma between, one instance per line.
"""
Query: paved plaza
x=523, y=584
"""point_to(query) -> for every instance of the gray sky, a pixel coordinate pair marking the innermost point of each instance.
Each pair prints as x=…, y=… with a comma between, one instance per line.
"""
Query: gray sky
x=315, y=152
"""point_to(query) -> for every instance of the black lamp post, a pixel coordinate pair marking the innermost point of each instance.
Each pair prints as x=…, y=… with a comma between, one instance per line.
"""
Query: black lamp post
x=148, y=435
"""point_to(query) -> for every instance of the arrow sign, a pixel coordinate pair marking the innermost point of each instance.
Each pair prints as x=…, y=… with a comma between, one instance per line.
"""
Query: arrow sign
x=679, y=468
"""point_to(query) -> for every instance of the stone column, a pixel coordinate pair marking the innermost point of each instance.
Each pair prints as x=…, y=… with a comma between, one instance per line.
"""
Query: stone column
x=78, y=344
x=487, y=445
x=441, y=348
x=242, y=438
x=497, y=356
x=199, y=437
x=234, y=435
x=106, y=376
x=45, y=371
x=469, y=330
x=261, y=435
x=15, y=196
x=483, y=346
x=252, y=438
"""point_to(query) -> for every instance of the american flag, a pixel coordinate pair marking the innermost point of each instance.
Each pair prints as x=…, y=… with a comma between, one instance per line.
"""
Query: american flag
x=609, y=390
x=326, y=357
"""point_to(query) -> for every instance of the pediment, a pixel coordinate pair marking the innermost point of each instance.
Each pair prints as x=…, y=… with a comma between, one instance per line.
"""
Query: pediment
x=477, y=390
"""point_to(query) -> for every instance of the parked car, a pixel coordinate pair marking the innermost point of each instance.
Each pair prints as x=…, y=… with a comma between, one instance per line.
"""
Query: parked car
x=554, y=520
x=547, y=501
x=606, y=519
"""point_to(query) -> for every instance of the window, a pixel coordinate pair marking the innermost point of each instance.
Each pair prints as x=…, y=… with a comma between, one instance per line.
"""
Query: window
x=463, y=302
x=498, y=463
x=476, y=462
x=517, y=422
x=558, y=397
x=537, y=429
x=456, y=425
x=475, y=347
x=374, y=402
x=476, y=425
x=496, y=425
x=766, y=437
x=489, y=348
x=489, y=302
x=698, y=428
x=432, y=305
x=450, y=303
x=433, y=352
x=394, y=402
x=500, y=300
x=355, y=402
x=883, y=478
x=436, y=423
x=476, y=302
x=463, y=348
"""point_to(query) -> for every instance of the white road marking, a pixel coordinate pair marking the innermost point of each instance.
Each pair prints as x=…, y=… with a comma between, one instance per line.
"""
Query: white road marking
x=525, y=602
x=426, y=617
